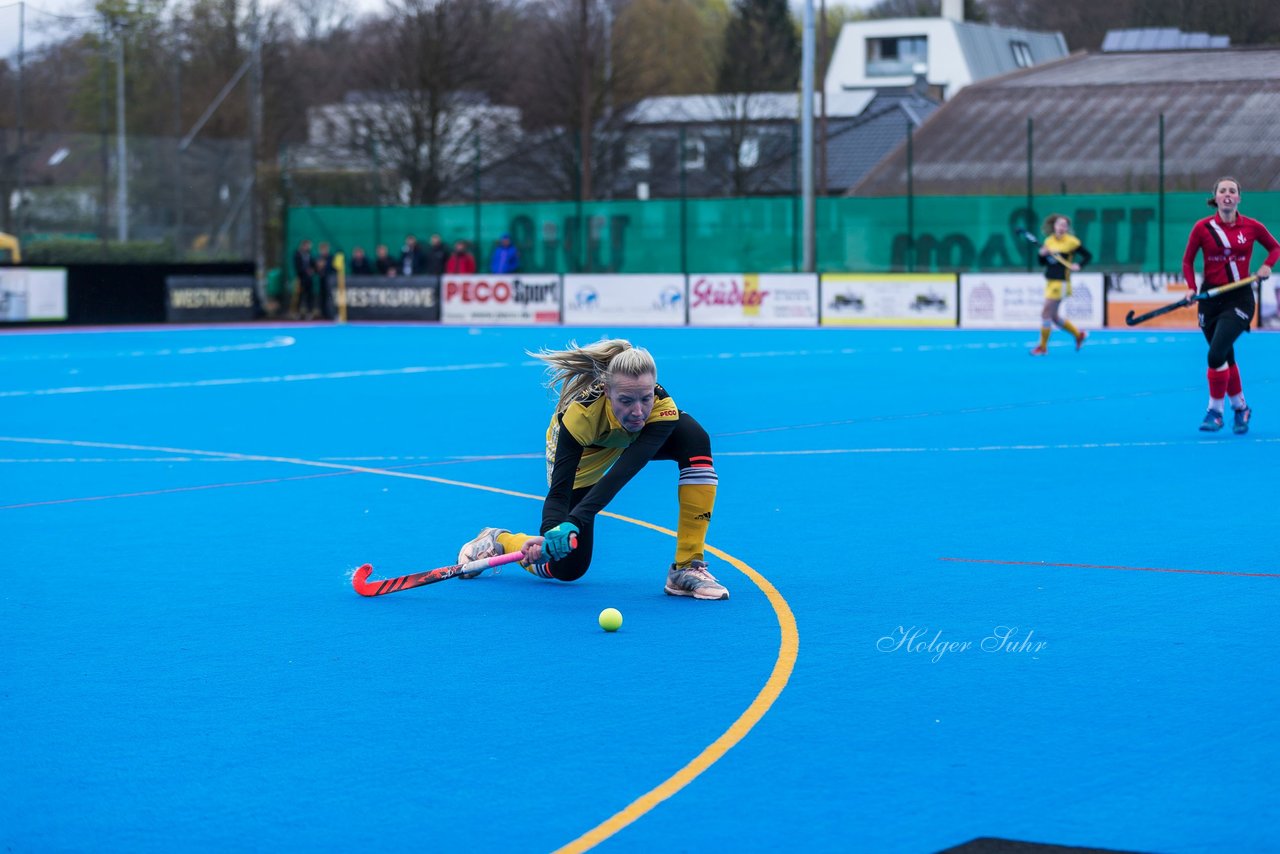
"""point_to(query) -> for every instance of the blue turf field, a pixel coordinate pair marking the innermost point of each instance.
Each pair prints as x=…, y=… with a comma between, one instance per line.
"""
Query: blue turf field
x=185, y=666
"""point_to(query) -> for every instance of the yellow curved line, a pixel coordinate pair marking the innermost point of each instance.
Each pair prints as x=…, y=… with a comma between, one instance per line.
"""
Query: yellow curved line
x=788, y=647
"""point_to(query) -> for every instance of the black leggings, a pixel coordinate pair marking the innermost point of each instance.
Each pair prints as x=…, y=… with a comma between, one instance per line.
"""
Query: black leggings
x=1222, y=324
x=689, y=439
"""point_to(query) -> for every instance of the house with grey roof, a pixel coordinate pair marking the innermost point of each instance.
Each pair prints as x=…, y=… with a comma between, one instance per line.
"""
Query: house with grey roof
x=1100, y=123
x=949, y=52
x=885, y=78
x=748, y=144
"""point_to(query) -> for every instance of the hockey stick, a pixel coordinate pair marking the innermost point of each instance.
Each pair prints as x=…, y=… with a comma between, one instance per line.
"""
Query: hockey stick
x=1031, y=238
x=1130, y=320
x=360, y=581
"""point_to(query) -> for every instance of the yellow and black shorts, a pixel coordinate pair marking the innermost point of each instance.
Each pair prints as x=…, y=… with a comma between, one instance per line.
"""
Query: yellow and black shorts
x=1057, y=289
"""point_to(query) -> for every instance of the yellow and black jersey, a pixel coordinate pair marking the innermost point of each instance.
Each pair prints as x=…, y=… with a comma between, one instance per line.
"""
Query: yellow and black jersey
x=590, y=421
x=588, y=447
x=1069, y=249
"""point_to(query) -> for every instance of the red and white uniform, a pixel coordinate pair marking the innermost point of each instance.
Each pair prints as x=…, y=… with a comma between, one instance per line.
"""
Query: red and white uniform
x=1226, y=249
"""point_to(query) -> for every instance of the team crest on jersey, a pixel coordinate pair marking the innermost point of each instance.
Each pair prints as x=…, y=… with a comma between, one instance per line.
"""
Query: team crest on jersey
x=590, y=393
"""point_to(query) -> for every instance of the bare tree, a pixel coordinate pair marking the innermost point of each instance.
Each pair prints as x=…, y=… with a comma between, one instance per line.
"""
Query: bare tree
x=318, y=19
x=563, y=87
x=760, y=61
x=424, y=76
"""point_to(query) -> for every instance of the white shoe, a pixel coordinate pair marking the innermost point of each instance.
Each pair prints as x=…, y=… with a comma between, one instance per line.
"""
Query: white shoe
x=694, y=580
x=484, y=545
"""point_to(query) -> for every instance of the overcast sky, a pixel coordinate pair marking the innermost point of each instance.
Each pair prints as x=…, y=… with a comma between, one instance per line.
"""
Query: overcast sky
x=51, y=19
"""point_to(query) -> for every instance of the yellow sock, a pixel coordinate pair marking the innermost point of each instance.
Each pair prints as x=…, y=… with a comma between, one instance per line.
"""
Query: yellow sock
x=511, y=542
x=1070, y=327
x=1044, y=336
x=696, y=503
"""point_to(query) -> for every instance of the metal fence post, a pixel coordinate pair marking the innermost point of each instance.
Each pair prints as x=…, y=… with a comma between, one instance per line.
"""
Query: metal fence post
x=684, y=208
x=1160, y=228
x=1030, y=181
x=911, y=203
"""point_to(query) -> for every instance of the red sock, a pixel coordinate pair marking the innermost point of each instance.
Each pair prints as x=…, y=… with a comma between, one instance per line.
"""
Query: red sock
x=1233, y=380
x=1218, y=383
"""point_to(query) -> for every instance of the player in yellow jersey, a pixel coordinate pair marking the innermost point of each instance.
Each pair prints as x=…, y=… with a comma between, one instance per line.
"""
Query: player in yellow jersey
x=1061, y=254
x=611, y=419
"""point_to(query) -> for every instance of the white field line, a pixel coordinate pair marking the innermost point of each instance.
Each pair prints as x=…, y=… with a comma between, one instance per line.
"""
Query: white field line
x=271, y=344
x=347, y=463
x=234, y=381
x=289, y=341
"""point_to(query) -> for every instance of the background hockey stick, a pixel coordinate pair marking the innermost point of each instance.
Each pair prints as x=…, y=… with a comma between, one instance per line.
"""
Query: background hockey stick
x=1031, y=238
x=360, y=581
x=1130, y=320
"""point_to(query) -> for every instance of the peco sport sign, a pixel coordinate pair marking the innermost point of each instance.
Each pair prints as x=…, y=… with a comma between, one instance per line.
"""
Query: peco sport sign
x=500, y=299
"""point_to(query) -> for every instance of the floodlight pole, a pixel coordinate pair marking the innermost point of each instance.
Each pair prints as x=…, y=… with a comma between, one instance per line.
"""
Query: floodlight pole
x=256, y=217
x=806, y=137
x=22, y=121
x=122, y=147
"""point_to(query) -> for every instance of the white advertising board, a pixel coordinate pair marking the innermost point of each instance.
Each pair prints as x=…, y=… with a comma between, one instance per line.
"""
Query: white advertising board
x=33, y=293
x=500, y=299
x=631, y=300
x=753, y=299
x=889, y=299
x=1015, y=300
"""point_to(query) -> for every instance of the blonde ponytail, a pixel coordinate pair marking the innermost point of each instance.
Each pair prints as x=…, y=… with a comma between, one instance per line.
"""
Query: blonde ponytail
x=577, y=369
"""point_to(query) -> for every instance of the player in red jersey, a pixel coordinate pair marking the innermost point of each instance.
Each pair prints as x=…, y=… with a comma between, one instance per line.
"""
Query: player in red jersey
x=1226, y=239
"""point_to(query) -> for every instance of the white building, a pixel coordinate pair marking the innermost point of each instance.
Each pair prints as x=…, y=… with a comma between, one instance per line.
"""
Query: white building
x=948, y=51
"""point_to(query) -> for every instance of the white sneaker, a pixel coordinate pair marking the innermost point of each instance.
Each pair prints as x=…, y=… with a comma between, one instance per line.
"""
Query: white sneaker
x=694, y=580
x=484, y=545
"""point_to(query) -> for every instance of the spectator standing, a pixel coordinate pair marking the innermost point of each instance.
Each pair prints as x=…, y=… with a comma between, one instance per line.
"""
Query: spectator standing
x=383, y=262
x=361, y=264
x=461, y=261
x=304, y=273
x=412, y=258
x=324, y=277
x=437, y=256
x=505, y=257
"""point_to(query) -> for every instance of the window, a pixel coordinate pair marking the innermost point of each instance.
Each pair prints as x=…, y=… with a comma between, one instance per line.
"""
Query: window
x=695, y=154
x=1022, y=54
x=638, y=156
x=897, y=56
x=749, y=153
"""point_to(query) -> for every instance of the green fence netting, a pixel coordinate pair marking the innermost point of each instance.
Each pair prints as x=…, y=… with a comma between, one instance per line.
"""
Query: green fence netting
x=1125, y=232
